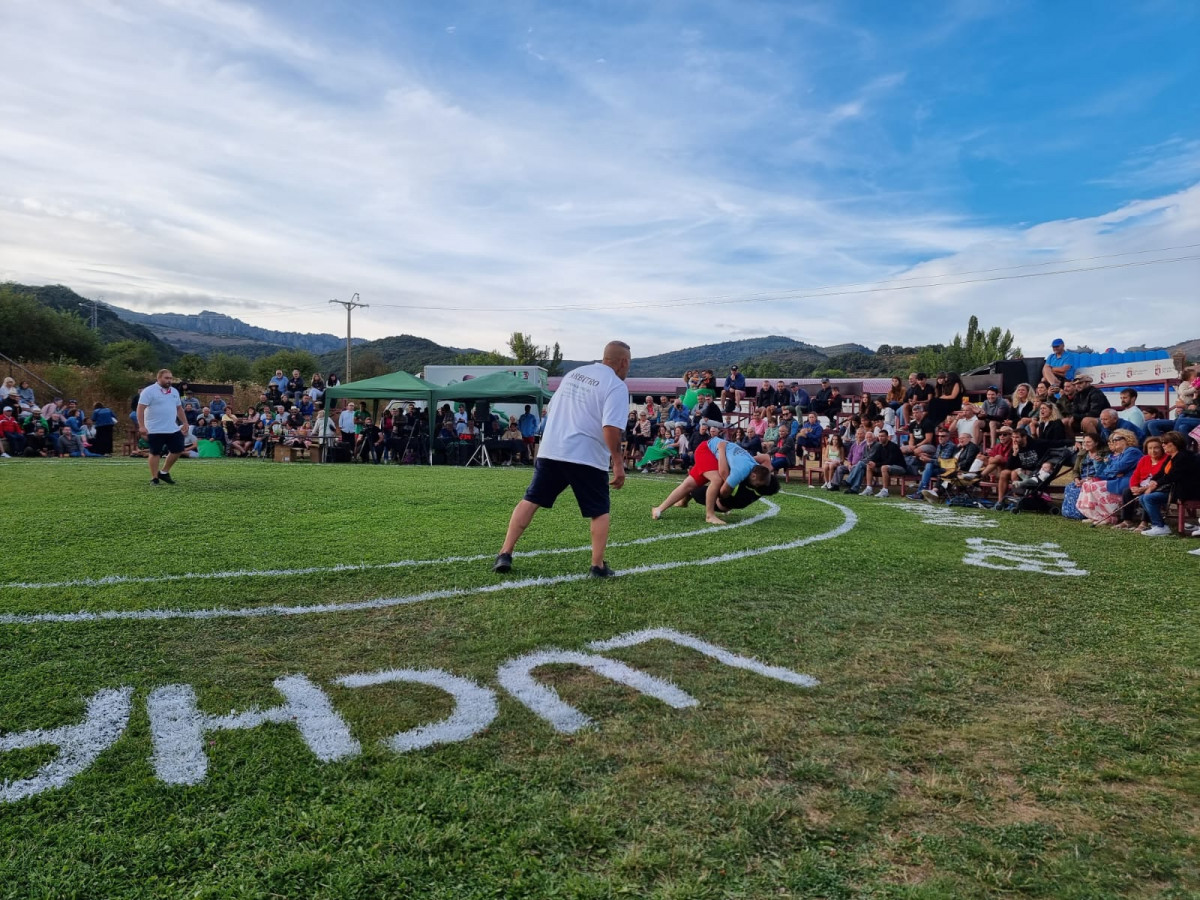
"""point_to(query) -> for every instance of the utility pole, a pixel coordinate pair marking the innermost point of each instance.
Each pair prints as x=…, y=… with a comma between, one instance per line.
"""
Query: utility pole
x=95, y=315
x=350, y=305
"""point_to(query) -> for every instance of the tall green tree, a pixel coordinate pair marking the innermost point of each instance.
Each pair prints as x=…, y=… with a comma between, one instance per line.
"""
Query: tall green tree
x=33, y=332
x=134, y=356
x=229, y=368
x=977, y=349
x=526, y=353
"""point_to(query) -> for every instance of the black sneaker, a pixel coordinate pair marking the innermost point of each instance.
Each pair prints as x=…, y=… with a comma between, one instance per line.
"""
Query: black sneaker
x=601, y=571
x=503, y=563
x=165, y=478
x=154, y=481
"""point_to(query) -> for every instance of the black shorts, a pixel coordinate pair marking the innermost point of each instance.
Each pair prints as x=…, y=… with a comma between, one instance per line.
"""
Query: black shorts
x=553, y=476
x=165, y=444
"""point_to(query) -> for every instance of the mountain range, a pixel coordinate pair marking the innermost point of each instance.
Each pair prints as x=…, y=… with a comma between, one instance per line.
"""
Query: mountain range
x=209, y=332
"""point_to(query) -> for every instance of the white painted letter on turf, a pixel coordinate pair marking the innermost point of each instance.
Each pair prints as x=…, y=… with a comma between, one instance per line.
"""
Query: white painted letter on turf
x=710, y=650
x=78, y=745
x=516, y=678
x=177, y=727
x=1045, y=559
x=475, y=706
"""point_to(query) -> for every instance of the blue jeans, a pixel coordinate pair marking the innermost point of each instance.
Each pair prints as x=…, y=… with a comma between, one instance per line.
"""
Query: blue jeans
x=1159, y=427
x=855, y=479
x=1154, y=504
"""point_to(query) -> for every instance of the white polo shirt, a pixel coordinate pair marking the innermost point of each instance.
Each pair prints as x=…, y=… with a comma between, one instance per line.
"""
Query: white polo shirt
x=161, y=408
x=588, y=399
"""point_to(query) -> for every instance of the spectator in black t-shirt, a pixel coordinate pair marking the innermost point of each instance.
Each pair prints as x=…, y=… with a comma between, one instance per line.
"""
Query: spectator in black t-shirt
x=822, y=403
x=919, y=391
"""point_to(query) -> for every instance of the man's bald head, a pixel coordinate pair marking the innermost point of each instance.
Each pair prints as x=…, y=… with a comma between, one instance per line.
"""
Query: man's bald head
x=617, y=357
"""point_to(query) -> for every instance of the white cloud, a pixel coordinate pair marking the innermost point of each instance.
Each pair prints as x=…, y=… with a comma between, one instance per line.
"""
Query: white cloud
x=202, y=154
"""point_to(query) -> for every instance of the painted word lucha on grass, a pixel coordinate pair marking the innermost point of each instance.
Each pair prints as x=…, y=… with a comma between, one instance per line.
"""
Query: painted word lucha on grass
x=178, y=728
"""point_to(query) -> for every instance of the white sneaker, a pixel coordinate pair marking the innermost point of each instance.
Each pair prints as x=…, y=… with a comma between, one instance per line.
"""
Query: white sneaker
x=866, y=492
x=882, y=493
x=1195, y=552
x=1156, y=531
x=5, y=456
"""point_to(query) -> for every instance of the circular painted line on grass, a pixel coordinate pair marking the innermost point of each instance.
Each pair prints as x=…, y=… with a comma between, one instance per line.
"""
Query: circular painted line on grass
x=343, y=568
x=849, y=520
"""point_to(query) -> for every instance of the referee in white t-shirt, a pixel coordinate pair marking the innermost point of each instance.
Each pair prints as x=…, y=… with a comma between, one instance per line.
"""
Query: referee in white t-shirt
x=583, y=433
x=162, y=422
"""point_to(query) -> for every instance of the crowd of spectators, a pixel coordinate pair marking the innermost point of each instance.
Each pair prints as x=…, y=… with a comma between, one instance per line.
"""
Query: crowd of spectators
x=1126, y=461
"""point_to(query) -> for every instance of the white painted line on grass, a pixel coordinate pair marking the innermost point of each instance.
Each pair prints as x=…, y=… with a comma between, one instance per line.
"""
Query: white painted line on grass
x=475, y=706
x=78, y=745
x=343, y=568
x=849, y=520
x=516, y=677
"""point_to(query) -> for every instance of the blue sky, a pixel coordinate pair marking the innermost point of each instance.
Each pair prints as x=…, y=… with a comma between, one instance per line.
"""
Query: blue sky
x=577, y=170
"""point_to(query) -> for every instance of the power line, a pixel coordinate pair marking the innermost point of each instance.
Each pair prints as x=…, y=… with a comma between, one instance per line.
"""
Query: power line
x=812, y=293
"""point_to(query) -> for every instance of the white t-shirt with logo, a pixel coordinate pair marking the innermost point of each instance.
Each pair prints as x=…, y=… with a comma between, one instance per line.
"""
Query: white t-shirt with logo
x=161, y=405
x=588, y=398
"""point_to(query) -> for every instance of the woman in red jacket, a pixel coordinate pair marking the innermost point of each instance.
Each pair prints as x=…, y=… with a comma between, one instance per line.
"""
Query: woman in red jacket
x=1148, y=466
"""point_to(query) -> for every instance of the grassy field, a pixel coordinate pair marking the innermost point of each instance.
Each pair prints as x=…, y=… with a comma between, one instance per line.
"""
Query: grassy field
x=976, y=732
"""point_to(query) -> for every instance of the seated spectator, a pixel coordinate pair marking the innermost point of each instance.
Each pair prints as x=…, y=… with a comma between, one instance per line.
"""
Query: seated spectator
x=1100, y=497
x=12, y=433
x=191, y=406
x=994, y=412
x=295, y=384
x=1089, y=401
x=894, y=398
x=1147, y=468
x=808, y=435
x=656, y=455
x=748, y=440
x=1022, y=406
x=25, y=393
x=965, y=456
x=948, y=398
x=919, y=390
x=888, y=462
x=998, y=456
x=734, y=390
x=758, y=424
x=938, y=465
x=1179, y=478
x=966, y=424
x=1060, y=364
x=832, y=455
x=1089, y=462
x=766, y=395
x=1186, y=410
x=278, y=381
x=1049, y=425
x=678, y=412
x=708, y=413
x=1110, y=421
x=39, y=443
x=771, y=434
x=852, y=483
x=1129, y=411
x=783, y=456
x=9, y=394
x=854, y=453
x=1033, y=463
x=368, y=444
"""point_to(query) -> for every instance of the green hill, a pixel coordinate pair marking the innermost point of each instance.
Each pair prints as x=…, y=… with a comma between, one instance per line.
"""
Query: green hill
x=110, y=327
x=402, y=351
x=719, y=357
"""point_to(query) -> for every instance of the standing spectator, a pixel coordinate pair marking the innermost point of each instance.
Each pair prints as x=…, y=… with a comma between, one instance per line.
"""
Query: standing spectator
x=347, y=430
x=162, y=422
x=104, y=420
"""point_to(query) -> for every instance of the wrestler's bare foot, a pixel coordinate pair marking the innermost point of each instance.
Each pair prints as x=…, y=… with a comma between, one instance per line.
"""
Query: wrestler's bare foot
x=713, y=520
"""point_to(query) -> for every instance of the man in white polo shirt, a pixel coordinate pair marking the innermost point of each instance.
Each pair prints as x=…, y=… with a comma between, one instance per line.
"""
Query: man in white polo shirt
x=161, y=421
x=583, y=433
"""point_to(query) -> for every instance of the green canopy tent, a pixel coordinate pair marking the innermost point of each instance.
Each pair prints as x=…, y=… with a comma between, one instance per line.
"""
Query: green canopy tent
x=394, y=386
x=499, y=387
